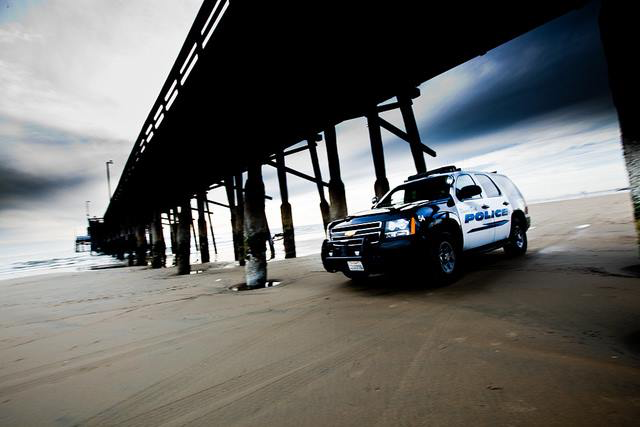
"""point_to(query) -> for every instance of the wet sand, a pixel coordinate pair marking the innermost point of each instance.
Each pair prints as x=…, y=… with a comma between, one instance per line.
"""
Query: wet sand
x=552, y=338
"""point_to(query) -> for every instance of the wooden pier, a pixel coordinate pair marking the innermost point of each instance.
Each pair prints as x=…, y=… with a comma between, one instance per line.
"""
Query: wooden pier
x=254, y=79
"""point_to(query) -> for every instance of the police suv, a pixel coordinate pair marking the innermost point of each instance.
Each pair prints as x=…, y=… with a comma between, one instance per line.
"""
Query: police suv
x=430, y=220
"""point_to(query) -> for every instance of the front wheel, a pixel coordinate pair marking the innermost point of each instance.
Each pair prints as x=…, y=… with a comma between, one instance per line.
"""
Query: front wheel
x=446, y=259
x=517, y=243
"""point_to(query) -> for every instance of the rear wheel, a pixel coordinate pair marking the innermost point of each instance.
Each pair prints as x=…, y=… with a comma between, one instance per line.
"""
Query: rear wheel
x=517, y=244
x=445, y=258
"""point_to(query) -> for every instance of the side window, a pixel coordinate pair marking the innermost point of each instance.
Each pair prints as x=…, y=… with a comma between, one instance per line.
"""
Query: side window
x=489, y=187
x=463, y=181
x=509, y=188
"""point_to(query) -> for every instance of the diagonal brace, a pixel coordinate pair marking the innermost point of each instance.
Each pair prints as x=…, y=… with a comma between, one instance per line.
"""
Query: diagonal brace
x=298, y=174
x=403, y=135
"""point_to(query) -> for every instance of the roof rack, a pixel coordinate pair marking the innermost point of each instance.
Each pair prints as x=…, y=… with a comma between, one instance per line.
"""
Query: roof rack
x=443, y=169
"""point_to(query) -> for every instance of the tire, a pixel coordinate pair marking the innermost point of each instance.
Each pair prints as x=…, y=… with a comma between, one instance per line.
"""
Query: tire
x=446, y=259
x=517, y=244
x=356, y=276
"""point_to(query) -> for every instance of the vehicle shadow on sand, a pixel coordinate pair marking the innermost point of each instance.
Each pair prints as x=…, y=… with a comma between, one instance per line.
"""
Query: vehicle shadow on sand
x=420, y=281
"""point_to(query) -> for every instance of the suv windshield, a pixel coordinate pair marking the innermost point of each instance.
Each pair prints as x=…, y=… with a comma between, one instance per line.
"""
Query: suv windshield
x=426, y=189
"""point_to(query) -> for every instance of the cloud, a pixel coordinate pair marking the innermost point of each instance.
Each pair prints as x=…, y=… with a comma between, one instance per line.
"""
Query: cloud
x=46, y=175
x=77, y=82
x=16, y=185
x=559, y=65
x=555, y=156
x=94, y=70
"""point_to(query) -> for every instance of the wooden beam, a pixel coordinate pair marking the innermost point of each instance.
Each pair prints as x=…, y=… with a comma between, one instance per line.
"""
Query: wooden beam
x=403, y=135
x=218, y=203
x=195, y=236
x=298, y=174
x=195, y=209
x=394, y=130
x=218, y=185
x=213, y=236
x=292, y=151
x=387, y=107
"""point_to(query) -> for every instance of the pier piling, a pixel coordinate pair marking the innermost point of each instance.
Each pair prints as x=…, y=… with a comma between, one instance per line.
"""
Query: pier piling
x=285, y=210
x=173, y=232
x=337, y=197
x=183, y=238
x=381, y=186
x=324, y=206
x=141, y=246
x=255, y=228
x=119, y=247
x=231, y=199
x=411, y=127
x=158, y=248
x=240, y=218
x=619, y=39
x=202, y=227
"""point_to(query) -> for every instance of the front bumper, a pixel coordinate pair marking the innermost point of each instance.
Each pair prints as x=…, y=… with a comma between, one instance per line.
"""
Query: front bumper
x=379, y=257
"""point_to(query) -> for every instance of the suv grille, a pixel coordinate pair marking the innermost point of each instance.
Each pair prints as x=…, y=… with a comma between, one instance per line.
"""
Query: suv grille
x=353, y=235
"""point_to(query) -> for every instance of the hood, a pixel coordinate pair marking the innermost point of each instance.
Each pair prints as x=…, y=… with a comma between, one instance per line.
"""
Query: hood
x=388, y=213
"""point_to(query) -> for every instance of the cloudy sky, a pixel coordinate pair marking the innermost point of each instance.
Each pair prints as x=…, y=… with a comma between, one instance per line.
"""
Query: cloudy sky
x=77, y=83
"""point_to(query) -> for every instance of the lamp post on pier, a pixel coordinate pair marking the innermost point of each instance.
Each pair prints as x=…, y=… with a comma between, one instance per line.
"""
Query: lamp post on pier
x=110, y=162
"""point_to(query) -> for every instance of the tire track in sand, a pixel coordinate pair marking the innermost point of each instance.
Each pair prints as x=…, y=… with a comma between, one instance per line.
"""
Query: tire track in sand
x=242, y=395
x=62, y=369
x=144, y=399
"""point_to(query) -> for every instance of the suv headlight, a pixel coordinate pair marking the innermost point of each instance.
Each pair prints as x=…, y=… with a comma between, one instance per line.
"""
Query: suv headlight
x=397, y=227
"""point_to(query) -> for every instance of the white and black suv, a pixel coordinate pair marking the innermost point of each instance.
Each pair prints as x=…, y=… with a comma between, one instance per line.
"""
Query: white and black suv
x=432, y=218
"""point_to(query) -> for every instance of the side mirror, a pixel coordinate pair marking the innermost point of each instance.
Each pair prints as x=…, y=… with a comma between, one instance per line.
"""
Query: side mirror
x=469, y=191
x=374, y=200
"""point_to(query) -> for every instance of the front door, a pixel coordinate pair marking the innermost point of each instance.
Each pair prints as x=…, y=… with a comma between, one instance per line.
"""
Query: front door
x=476, y=226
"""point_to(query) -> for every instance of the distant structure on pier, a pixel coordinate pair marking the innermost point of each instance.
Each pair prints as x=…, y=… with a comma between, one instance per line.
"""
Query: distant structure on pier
x=83, y=243
x=91, y=242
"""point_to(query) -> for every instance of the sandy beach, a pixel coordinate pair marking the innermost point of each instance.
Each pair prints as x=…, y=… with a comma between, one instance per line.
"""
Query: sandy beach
x=552, y=338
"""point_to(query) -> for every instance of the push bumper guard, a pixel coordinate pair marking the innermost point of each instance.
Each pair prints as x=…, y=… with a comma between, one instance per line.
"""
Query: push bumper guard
x=376, y=257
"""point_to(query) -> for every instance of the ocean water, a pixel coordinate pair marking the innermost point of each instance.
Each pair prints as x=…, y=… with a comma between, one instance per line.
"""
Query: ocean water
x=12, y=266
x=62, y=257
